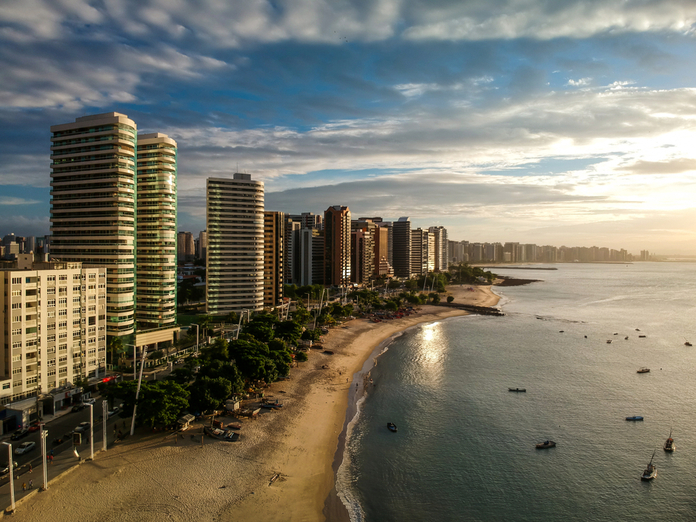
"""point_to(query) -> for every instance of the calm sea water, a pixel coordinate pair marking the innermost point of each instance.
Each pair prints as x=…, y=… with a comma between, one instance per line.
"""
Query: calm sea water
x=465, y=445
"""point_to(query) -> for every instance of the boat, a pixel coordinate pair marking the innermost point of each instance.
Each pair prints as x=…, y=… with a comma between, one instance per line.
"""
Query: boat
x=272, y=405
x=546, y=445
x=608, y=341
x=391, y=426
x=517, y=389
x=642, y=336
x=221, y=434
x=669, y=443
x=634, y=418
x=650, y=471
x=687, y=343
x=644, y=370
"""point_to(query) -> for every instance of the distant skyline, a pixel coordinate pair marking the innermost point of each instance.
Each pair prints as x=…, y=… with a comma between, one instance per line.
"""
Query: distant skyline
x=562, y=123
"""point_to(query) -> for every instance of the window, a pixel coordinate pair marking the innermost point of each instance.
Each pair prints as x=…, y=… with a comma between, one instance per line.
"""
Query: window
x=76, y=333
x=15, y=371
x=62, y=336
x=76, y=299
x=62, y=347
x=15, y=306
x=16, y=280
x=76, y=277
x=17, y=358
x=31, y=380
x=51, y=372
x=51, y=338
x=17, y=331
x=62, y=301
x=50, y=314
x=63, y=277
x=51, y=291
x=17, y=344
x=16, y=293
x=76, y=311
x=62, y=359
x=76, y=289
x=62, y=371
x=62, y=313
x=16, y=318
x=51, y=303
x=51, y=279
x=6, y=386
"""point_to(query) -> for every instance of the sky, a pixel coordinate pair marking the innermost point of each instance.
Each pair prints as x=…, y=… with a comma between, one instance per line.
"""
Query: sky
x=555, y=122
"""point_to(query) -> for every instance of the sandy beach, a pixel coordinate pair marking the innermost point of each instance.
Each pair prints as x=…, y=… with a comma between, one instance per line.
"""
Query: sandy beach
x=158, y=477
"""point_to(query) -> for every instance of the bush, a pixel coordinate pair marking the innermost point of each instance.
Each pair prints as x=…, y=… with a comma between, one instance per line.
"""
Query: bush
x=301, y=357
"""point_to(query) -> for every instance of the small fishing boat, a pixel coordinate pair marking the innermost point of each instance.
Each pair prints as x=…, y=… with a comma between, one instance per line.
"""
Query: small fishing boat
x=608, y=341
x=517, y=389
x=687, y=343
x=546, y=445
x=650, y=471
x=644, y=370
x=642, y=336
x=391, y=426
x=634, y=418
x=669, y=443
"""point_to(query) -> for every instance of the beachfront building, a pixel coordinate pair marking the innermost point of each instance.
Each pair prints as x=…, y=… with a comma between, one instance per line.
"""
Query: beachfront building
x=235, y=225
x=156, y=250
x=202, y=244
x=422, y=252
x=273, y=243
x=402, y=247
x=308, y=262
x=364, y=265
x=441, y=248
x=54, y=316
x=93, y=190
x=337, y=251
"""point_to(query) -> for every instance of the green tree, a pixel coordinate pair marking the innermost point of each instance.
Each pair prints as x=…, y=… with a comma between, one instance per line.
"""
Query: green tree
x=289, y=331
x=209, y=393
x=161, y=402
x=301, y=356
x=450, y=298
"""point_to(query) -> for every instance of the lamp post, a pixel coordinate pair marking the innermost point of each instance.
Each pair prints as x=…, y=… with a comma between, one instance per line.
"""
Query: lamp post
x=91, y=431
x=105, y=416
x=43, y=435
x=9, y=460
x=137, y=393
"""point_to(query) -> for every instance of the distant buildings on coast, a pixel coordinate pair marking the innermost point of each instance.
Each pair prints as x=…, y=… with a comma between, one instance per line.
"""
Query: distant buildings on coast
x=107, y=273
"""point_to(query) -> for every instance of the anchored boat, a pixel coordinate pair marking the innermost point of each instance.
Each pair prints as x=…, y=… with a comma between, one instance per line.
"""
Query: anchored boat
x=650, y=471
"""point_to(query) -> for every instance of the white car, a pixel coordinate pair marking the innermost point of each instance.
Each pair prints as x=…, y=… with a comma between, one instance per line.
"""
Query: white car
x=25, y=447
x=89, y=401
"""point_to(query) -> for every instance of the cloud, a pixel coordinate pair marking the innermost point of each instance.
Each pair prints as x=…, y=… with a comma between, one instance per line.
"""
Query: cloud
x=674, y=166
x=4, y=200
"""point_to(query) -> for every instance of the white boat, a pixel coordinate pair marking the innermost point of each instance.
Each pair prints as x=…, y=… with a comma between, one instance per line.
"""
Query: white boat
x=650, y=471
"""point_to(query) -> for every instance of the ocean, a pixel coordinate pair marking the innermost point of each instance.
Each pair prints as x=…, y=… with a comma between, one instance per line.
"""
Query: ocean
x=465, y=447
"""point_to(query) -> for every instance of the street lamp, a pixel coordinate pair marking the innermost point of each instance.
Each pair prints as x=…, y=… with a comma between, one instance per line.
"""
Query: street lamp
x=43, y=435
x=137, y=392
x=134, y=359
x=105, y=416
x=9, y=460
x=91, y=431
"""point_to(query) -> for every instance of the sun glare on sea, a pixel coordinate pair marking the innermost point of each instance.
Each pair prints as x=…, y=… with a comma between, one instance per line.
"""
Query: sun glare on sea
x=431, y=345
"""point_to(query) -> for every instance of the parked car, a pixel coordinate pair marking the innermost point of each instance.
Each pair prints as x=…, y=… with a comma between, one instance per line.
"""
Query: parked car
x=114, y=411
x=5, y=468
x=34, y=427
x=25, y=447
x=20, y=434
x=89, y=401
x=82, y=427
x=78, y=407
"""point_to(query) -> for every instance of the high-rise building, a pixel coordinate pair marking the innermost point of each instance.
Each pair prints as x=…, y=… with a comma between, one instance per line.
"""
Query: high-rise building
x=337, y=266
x=54, y=317
x=93, y=189
x=441, y=248
x=402, y=247
x=273, y=239
x=186, y=250
x=202, y=244
x=234, y=221
x=422, y=252
x=156, y=250
x=308, y=265
x=364, y=265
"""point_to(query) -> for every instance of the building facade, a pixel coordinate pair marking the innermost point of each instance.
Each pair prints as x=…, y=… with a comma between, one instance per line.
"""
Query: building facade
x=93, y=189
x=273, y=244
x=337, y=251
x=156, y=250
x=401, y=231
x=235, y=224
x=55, y=318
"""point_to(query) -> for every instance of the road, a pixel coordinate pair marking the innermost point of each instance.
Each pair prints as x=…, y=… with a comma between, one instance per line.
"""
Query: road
x=64, y=456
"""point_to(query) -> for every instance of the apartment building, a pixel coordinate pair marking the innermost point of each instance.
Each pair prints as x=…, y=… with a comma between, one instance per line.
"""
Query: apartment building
x=273, y=243
x=235, y=225
x=402, y=247
x=54, y=316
